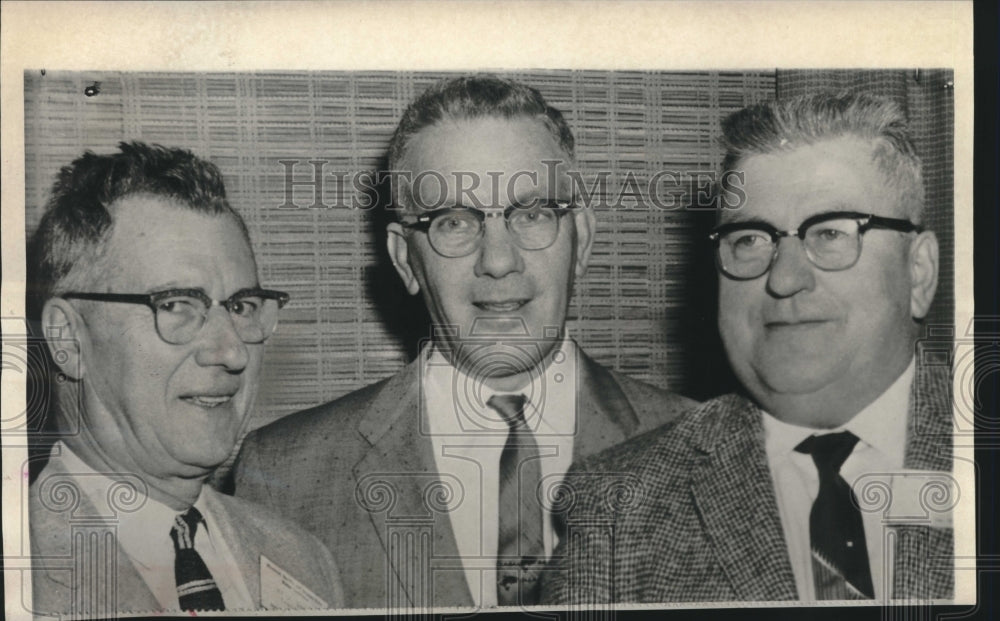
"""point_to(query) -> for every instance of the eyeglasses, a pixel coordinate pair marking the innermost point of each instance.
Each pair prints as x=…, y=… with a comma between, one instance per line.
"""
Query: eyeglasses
x=180, y=313
x=832, y=241
x=458, y=231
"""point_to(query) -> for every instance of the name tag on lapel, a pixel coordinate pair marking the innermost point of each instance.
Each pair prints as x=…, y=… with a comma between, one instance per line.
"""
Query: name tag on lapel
x=279, y=590
x=909, y=497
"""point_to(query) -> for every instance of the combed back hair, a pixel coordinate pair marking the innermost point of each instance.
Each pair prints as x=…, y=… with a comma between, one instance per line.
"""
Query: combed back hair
x=70, y=242
x=474, y=97
x=783, y=125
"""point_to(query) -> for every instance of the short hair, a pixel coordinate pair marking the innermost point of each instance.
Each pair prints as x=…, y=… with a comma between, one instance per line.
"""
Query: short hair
x=473, y=97
x=70, y=240
x=786, y=124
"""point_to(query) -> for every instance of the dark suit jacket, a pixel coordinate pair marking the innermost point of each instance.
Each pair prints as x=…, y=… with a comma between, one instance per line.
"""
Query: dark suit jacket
x=78, y=568
x=360, y=473
x=688, y=512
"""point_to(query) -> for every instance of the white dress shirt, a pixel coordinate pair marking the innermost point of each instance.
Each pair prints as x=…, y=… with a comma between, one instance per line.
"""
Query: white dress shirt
x=468, y=438
x=881, y=430
x=144, y=537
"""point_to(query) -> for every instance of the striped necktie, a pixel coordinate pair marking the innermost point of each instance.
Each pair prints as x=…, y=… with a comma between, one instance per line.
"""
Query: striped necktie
x=196, y=589
x=520, y=549
x=839, y=551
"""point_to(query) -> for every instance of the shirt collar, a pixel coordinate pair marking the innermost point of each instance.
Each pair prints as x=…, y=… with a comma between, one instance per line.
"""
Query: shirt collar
x=143, y=523
x=456, y=402
x=880, y=425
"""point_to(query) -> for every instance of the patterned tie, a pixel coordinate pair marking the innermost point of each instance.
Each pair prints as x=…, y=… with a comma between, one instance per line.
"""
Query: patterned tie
x=839, y=552
x=520, y=550
x=196, y=589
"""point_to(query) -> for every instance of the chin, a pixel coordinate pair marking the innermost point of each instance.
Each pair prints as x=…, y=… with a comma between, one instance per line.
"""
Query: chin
x=498, y=358
x=793, y=380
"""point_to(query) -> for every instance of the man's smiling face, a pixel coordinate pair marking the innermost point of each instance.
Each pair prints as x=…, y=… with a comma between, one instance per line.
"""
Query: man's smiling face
x=802, y=332
x=499, y=291
x=169, y=410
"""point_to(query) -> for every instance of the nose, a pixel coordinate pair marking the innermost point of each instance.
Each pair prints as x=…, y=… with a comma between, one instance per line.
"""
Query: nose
x=791, y=271
x=219, y=344
x=498, y=255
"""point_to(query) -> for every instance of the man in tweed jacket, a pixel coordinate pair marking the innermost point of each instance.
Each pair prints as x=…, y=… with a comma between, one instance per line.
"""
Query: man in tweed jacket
x=718, y=506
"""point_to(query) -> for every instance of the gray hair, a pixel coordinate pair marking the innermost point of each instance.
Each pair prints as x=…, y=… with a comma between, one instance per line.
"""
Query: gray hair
x=471, y=97
x=783, y=125
x=70, y=241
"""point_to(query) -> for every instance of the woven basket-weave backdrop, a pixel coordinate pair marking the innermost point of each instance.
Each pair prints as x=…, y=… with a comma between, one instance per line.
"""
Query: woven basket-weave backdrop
x=349, y=322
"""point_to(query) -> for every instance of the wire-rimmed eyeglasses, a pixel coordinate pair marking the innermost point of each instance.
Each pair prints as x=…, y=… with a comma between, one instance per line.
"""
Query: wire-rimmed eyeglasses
x=832, y=241
x=179, y=314
x=458, y=231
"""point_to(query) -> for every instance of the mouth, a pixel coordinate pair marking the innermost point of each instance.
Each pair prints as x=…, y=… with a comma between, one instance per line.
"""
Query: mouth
x=500, y=306
x=207, y=401
x=799, y=323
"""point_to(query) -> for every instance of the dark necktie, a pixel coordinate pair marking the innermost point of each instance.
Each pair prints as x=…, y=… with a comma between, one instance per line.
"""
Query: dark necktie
x=521, y=549
x=196, y=589
x=839, y=552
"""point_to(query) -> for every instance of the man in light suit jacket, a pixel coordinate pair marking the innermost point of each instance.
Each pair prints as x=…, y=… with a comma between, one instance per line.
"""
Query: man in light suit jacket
x=794, y=489
x=432, y=485
x=146, y=288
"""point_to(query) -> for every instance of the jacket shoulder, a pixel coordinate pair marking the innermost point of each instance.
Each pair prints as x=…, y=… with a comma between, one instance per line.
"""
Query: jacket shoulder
x=667, y=445
x=339, y=413
x=276, y=461
x=652, y=405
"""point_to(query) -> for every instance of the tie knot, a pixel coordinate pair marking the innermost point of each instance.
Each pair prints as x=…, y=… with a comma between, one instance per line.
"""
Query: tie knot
x=829, y=451
x=511, y=408
x=184, y=528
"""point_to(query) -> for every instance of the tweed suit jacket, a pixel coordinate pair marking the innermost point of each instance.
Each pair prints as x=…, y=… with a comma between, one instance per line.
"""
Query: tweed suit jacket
x=688, y=512
x=68, y=533
x=360, y=474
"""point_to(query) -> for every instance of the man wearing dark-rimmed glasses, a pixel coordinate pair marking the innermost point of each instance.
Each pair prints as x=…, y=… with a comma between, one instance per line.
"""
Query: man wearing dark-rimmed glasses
x=792, y=490
x=472, y=436
x=145, y=286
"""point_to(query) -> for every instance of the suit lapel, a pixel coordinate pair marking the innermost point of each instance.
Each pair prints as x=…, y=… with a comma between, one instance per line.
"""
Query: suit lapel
x=923, y=563
x=400, y=469
x=928, y=439
x=53, y=533
x=604, y=415
x=243, y=542
x=734, y=494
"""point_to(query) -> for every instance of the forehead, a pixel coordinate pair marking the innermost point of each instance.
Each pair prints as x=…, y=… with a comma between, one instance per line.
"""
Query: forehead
x=467, y=151
x=158, y=243
x=786, y=187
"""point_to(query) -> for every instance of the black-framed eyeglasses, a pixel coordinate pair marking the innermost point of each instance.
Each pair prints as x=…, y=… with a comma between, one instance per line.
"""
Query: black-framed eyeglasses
x=179, y=314
x=832, y=241
x=458, y=231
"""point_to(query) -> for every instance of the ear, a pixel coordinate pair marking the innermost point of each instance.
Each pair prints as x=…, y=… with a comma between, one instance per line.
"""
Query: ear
x=586, y=225
x=399, y=252
x=923, y=273
x=63, y=328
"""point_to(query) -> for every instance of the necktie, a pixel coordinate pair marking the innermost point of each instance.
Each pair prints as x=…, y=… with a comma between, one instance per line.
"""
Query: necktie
x=839, y=552
x=521, y=549
x=196, y=589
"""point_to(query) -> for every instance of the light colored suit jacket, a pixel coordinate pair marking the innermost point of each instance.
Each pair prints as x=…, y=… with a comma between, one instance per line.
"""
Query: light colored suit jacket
x=79, y=569
x=689, y=513
x=360, y=473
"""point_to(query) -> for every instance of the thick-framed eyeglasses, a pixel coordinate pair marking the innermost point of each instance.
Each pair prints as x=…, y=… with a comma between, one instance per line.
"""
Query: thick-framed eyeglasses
x=179, y=314
x=832, y=241
x=458, y=231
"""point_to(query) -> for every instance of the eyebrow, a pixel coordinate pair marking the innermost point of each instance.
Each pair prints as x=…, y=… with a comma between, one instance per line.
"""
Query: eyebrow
x=175, y=286
x=520, y=202
x=755, y=220
x=739, y=220
x=169, y=286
